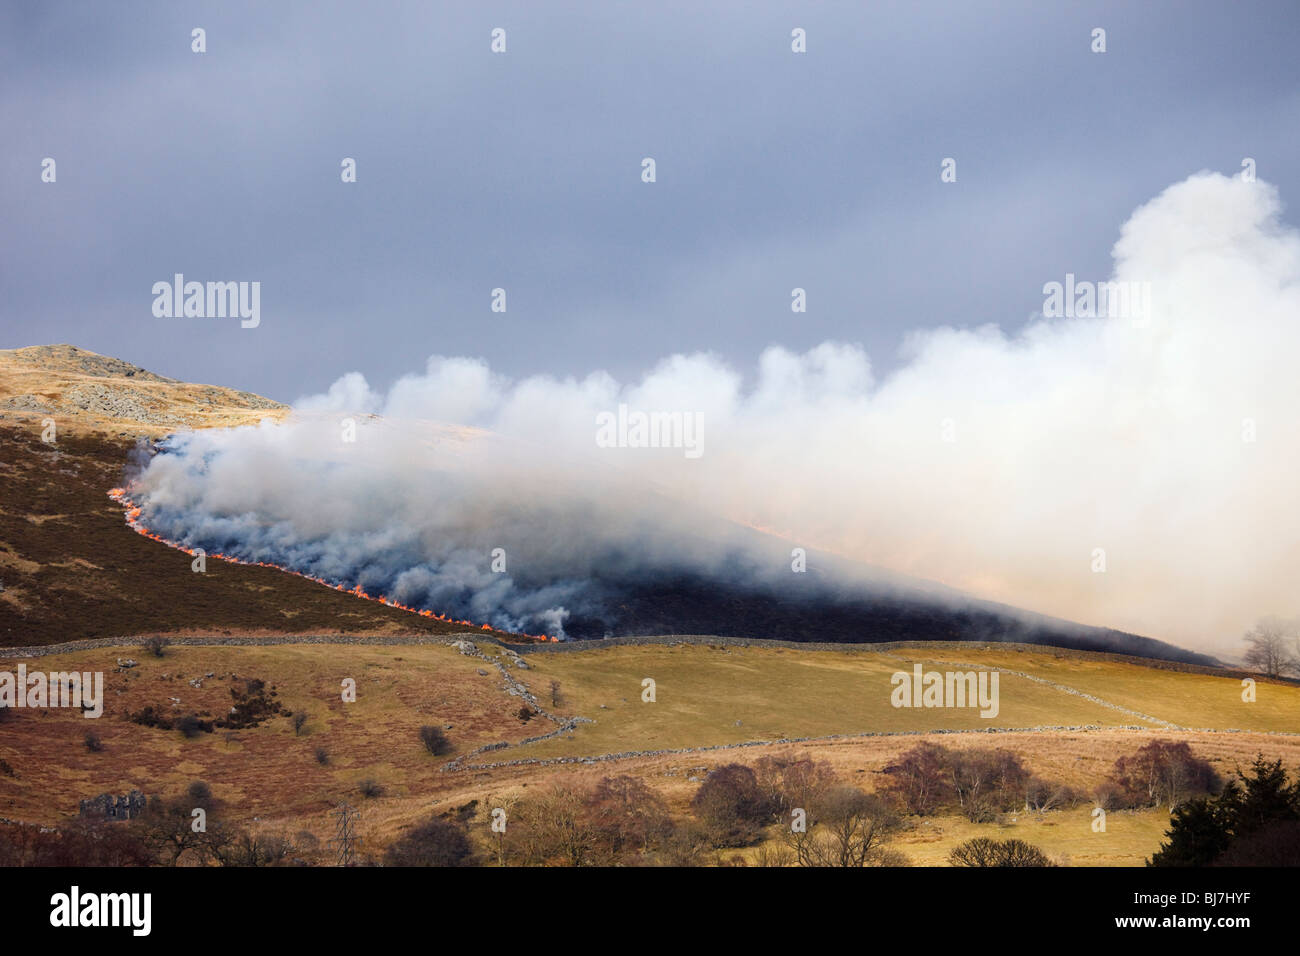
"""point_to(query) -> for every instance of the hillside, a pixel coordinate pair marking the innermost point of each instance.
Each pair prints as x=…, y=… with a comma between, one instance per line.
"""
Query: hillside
x=85, y=392
x=71, y=569
x=715, y=704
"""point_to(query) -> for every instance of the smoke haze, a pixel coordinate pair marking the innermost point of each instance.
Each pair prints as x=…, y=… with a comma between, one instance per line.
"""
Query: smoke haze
x=1009, y=467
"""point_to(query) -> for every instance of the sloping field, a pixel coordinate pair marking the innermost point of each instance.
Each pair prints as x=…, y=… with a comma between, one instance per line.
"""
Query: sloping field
x=775, y=693
x=723, y=695
x=272, y=774
x=1190, y=700
x=266, y=769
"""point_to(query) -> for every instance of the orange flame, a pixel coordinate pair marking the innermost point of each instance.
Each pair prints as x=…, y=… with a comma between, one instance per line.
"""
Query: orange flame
x=132, y=513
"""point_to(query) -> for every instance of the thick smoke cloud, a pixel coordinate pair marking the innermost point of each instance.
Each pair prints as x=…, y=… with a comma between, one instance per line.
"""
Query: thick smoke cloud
x=1000, y=464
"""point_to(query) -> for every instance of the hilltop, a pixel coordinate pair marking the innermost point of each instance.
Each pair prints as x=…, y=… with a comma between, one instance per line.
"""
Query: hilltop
x=89, y=392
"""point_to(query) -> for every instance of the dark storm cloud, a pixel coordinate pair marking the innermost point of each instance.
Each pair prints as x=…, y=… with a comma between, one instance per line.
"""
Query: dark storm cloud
x=522, y=171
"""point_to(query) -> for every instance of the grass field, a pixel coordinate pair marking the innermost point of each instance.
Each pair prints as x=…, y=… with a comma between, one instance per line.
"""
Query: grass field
x=1188, y=700
x=702, y=692
x=705, y=696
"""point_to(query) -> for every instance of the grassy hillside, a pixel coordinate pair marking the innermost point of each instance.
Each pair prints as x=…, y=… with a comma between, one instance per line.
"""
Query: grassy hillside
x=272, y=774
x=71, y=568
x=702, y=692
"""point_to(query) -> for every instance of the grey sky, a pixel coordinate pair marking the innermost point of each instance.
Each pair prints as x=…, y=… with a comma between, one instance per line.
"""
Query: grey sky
x=522, y=170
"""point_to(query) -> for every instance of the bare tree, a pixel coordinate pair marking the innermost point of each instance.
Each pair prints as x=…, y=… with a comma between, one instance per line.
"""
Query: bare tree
x=986, y=782
x=1163, y=771
x=1042, y=795
x=552, y=826
x=628, y=817
x=918, y=778
x=851, y=830
x=1273, y=646
x=792, y=782
x=731, y=805
x=247, y=848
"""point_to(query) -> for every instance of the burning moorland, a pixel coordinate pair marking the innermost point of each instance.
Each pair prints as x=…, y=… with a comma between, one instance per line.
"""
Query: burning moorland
x=227, y=683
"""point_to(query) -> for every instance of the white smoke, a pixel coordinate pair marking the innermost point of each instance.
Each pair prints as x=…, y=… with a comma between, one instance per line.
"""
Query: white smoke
x=1071, y=435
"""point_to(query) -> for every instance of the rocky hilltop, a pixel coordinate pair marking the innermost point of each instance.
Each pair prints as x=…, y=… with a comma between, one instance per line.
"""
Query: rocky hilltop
x=84, y=392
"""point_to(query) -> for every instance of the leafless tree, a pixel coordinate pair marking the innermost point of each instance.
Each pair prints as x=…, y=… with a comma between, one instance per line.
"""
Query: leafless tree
x=1163, y=772
x=1042, y=795
x=793, y=782
x=849, y=829
x=1273, y=646
x=552, y=826
x=918, y=778
x=627, y=815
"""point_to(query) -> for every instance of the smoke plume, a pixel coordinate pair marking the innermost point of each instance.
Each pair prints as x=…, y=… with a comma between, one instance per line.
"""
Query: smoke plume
x=1133, y=471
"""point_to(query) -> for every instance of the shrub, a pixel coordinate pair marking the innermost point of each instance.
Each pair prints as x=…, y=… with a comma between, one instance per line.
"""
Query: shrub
x=155, y=645
x=93, y=743
x=322, y=756
x=435, y=741
x=1163, y=772
x=199, y=794
x=191, y=726
x=299, y=721
x=1043, y=795
x=252, y=705
x=987, y=782
x=245, y=848
x=982, y=851
x=370, y=788
x=731, y=806
x=627, y=816
x=435, y=842
x=687, y=845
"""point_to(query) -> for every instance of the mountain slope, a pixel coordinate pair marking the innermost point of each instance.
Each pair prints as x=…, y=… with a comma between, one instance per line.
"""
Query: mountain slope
x=71, y=569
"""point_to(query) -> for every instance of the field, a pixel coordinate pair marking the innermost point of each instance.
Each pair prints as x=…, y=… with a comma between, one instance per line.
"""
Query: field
x=706, y=696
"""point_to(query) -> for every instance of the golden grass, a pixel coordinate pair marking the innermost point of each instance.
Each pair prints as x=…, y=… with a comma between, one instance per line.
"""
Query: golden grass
x=271, y=774
x=1188, y=700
